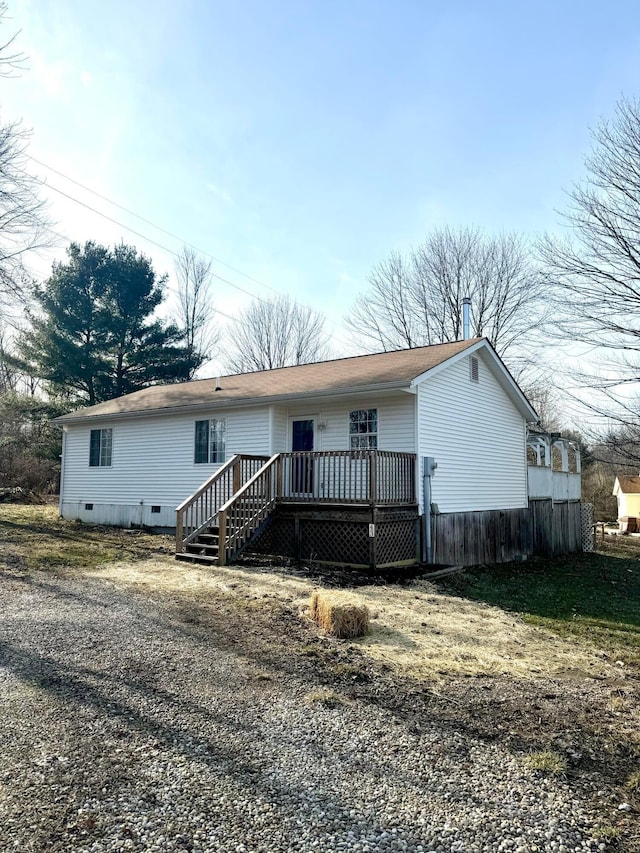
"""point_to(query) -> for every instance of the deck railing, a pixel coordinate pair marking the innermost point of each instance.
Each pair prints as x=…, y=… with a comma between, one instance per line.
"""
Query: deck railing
x=197, y=511
x=349, y=476
x=241, y=516
x=240, y=496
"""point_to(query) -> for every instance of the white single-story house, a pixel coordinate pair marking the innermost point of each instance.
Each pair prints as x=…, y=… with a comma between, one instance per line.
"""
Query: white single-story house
x=627, y=491
x=346, y=433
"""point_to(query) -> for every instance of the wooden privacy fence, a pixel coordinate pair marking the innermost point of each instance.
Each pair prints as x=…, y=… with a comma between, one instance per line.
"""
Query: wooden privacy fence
x=544, y=528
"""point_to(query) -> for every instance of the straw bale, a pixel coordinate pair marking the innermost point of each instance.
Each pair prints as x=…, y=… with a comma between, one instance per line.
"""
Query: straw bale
x=341, y=615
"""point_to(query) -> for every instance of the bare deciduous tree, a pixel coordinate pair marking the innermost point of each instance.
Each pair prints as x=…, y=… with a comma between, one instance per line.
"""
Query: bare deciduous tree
x=417, y=300
x=596, y=270
x=23, y=223
x=276, y=333
x=195, y=304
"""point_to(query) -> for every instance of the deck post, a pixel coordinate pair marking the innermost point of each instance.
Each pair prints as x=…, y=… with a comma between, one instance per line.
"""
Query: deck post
x=237, y=476
x=373, y=534
x=278, y=493
x=373, y=477
x=179, y=532
x=222, y=538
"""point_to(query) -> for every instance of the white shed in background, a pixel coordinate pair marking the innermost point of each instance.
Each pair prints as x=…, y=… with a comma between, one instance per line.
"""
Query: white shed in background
x=627, y=491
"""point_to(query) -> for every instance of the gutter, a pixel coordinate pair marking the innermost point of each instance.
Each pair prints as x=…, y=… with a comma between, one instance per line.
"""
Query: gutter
x=236, y=403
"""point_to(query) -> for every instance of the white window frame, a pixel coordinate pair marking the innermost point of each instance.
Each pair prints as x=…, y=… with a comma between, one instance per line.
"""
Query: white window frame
x=364, y=440
x=105, y=448
x=216, y=436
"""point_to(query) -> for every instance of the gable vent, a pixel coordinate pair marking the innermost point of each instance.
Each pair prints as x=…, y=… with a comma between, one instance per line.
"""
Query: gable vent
x=474, y=369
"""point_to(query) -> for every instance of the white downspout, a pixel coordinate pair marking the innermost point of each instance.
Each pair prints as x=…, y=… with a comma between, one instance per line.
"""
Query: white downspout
x=62, y=464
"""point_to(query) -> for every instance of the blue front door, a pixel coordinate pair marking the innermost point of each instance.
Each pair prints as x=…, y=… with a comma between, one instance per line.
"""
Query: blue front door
x=302, y=467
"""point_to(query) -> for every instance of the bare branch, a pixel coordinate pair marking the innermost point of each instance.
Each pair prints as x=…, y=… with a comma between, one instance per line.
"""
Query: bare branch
x=195, y=304
x=416, y=301
x=276, y=333
x=23, y=223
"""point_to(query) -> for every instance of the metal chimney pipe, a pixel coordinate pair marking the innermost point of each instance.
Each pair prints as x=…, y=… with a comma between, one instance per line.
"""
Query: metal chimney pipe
x=466, y=318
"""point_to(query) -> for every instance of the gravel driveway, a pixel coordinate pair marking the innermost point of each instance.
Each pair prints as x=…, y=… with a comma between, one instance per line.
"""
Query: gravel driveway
x=127, y=726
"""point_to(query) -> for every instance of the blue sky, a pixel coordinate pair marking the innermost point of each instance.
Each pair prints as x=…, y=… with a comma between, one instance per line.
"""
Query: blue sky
x=302, y=142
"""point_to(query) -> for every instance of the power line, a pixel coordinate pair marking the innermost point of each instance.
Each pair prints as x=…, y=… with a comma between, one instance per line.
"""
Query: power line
x=171, y=289
x=149, y=222
x=139, y=234
x=213, y=309
x=161, y=245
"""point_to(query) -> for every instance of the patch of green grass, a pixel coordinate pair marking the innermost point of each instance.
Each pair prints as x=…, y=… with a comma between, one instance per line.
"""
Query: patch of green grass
x=348, y=670
x=327, y=698
x=311, y=651
x=545, y=762
x=37, y=538
x=633, y=783
x=607, y=833
x=594, y=598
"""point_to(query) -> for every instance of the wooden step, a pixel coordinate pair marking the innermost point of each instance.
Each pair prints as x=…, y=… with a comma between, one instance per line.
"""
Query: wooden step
x=202, y=548
x=197, y=558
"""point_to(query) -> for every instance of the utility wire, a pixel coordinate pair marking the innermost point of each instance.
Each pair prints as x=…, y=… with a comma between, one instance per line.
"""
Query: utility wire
x=168, y=287
x=152, y=224
x=158, y=244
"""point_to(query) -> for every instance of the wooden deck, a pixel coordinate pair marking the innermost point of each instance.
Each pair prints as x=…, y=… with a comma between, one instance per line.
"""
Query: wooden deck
x=233, y=507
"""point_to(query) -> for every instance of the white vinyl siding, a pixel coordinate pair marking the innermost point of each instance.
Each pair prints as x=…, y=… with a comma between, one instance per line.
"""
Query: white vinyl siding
x=396, y=422
x=477, y=438
x=280, y=439
x=152, y=464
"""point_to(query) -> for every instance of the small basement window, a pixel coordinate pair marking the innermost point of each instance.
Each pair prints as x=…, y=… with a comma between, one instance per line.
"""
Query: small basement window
x=88, y=506
x=474, y=367
x=155, y=509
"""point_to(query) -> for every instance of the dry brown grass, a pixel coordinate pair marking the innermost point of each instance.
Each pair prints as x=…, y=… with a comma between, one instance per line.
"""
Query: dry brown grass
x=415, y=630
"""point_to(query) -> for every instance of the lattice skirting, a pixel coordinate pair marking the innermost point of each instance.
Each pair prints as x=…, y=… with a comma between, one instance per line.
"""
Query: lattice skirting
x=586, y=523
x=328, y=537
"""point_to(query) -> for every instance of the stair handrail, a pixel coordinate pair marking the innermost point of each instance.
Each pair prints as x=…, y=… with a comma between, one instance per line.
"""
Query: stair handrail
x=197, y=511
x=234, y=532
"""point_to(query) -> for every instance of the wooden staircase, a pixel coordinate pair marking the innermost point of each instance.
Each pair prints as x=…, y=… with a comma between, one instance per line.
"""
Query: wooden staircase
x=226, y=514
x=204, y=548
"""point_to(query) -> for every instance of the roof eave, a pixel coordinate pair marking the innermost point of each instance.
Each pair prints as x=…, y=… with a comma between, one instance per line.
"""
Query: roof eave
x=508, y=382
x=236, y=403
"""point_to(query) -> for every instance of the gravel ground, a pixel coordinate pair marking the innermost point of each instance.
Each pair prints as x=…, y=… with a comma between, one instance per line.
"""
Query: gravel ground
x=127, y=726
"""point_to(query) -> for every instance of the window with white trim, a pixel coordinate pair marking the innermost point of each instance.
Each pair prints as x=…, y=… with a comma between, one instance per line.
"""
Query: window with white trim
x=100, y=445
x=210, y=441
x=363, y=429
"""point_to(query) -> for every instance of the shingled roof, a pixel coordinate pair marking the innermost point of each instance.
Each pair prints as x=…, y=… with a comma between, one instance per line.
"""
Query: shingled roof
x=358, y=373
x=628, y=485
